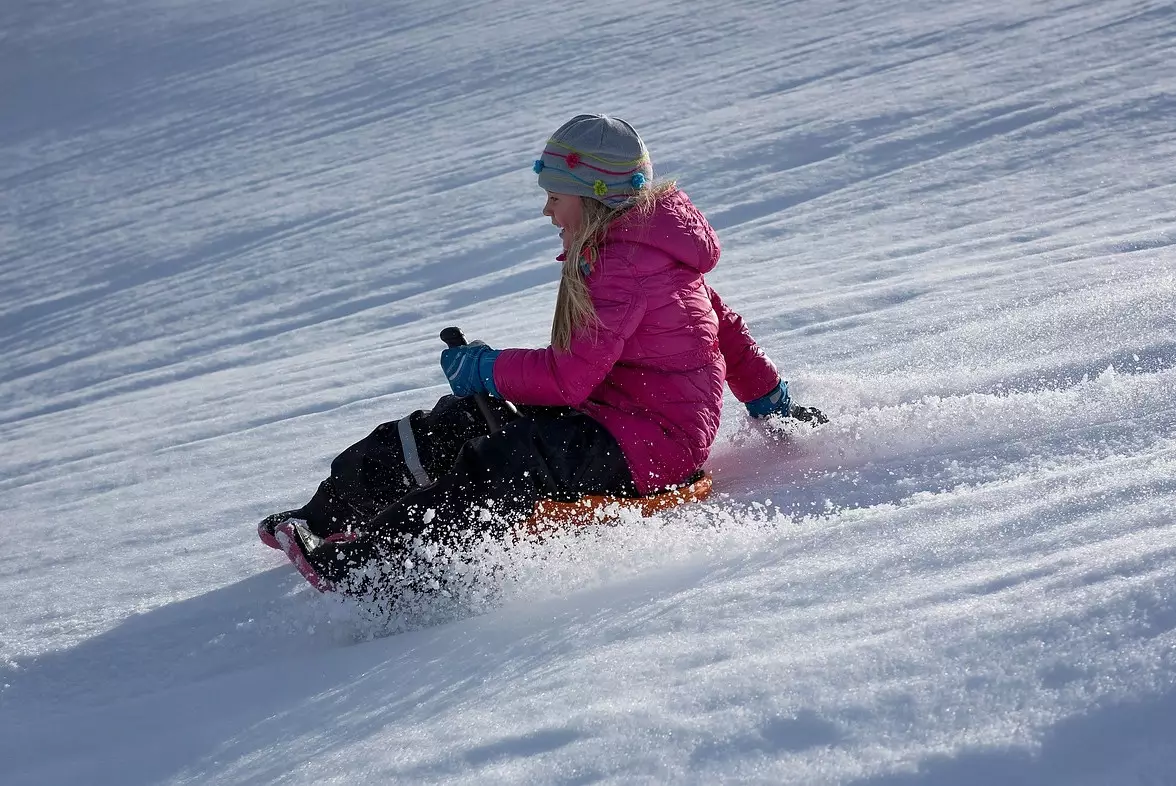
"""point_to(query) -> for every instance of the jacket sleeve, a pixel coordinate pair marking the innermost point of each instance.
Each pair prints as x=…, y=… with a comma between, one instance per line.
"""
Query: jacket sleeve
x=549, y=377
x=750, y=374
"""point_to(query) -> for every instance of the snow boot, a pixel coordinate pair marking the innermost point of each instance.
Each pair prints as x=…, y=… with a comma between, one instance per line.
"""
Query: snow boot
x=298, y=542
x=266, y=527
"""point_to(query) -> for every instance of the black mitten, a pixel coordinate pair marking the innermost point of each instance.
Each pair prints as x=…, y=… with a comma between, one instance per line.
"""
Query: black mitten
x=808, y=415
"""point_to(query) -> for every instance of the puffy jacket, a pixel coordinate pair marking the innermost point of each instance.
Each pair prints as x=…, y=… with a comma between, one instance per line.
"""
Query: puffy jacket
x=652, y=369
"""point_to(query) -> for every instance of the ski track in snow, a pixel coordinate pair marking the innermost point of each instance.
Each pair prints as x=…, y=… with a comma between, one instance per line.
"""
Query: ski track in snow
x=232, y=232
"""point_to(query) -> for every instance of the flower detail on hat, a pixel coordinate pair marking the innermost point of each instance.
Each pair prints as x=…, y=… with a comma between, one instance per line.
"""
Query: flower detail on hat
x=537, y=167
x=638, y=181
x=572, y=159
x=599, y=188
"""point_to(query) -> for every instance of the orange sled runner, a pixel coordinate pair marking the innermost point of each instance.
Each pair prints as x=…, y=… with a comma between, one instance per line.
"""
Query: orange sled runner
x=553, y=515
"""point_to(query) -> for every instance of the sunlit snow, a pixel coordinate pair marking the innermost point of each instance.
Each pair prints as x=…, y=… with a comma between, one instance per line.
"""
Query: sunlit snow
x=233, y=230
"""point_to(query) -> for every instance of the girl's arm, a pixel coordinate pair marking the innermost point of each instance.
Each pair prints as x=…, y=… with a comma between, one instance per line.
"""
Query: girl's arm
x=750, y=374
x=549, y=377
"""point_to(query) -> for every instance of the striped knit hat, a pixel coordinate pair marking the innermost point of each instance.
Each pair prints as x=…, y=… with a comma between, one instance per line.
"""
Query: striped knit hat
x=595, y=156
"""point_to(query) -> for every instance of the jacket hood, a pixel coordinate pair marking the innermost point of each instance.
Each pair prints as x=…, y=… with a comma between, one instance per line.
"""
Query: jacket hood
x=675, y=227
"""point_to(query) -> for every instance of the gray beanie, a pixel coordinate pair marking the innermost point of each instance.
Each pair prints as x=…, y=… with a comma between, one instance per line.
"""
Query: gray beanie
x=595, y=156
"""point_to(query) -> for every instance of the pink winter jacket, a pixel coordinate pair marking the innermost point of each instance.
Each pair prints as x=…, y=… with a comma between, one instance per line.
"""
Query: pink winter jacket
x=652, y=371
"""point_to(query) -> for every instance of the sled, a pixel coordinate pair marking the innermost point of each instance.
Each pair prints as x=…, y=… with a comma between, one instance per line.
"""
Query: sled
x=551, y=515
x=554, y=515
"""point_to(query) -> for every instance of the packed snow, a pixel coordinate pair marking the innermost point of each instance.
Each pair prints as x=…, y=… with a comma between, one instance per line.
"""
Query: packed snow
x=233, y=230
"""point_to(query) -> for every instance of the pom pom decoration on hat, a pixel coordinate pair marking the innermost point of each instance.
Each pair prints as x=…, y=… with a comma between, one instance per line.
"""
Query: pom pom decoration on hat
x=595, y=156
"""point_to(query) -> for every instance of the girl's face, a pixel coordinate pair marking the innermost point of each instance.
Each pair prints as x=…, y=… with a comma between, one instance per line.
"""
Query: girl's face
x=566, y=211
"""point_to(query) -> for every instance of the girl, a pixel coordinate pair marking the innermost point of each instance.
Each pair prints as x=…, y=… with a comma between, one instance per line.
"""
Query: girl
x=625, y=401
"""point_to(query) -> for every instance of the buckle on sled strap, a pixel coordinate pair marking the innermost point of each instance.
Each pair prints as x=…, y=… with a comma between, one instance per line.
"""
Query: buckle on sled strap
x=412, y=458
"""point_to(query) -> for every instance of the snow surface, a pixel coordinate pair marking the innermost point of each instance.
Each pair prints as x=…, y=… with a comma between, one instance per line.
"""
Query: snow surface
x=233, y=229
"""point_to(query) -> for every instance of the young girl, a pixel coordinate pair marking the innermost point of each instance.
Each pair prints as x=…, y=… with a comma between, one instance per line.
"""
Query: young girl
x=625, y=401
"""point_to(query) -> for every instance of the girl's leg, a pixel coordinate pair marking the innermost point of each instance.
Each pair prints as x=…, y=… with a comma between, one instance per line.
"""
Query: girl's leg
x=406, y=454
x=494, y=483
x=373, y=473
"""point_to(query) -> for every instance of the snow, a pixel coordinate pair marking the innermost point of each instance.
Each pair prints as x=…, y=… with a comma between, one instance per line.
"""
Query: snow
x=233, y=230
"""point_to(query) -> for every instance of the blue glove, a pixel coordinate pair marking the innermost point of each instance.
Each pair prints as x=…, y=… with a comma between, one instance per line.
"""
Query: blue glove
x=775, y=402
x=778, y=402
x=470, y=369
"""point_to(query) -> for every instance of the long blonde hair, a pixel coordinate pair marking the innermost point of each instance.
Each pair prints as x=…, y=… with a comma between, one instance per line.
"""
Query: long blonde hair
x=573, y=303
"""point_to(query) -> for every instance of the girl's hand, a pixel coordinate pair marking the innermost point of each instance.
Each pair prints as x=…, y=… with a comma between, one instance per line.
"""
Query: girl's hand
x=777, y=402
x=470, y=369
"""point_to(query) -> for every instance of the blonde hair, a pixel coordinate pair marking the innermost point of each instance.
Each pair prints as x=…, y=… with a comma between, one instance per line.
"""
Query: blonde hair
x=573, y=304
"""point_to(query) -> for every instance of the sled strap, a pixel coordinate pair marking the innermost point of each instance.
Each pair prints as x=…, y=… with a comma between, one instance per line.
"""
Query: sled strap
x=412, y=458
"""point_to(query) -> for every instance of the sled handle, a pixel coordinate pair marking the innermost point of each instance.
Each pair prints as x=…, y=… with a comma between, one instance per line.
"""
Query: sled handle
x=453, y=337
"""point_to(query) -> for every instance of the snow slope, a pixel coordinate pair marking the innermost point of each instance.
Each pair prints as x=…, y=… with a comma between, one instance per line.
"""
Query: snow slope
x=233, y=230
